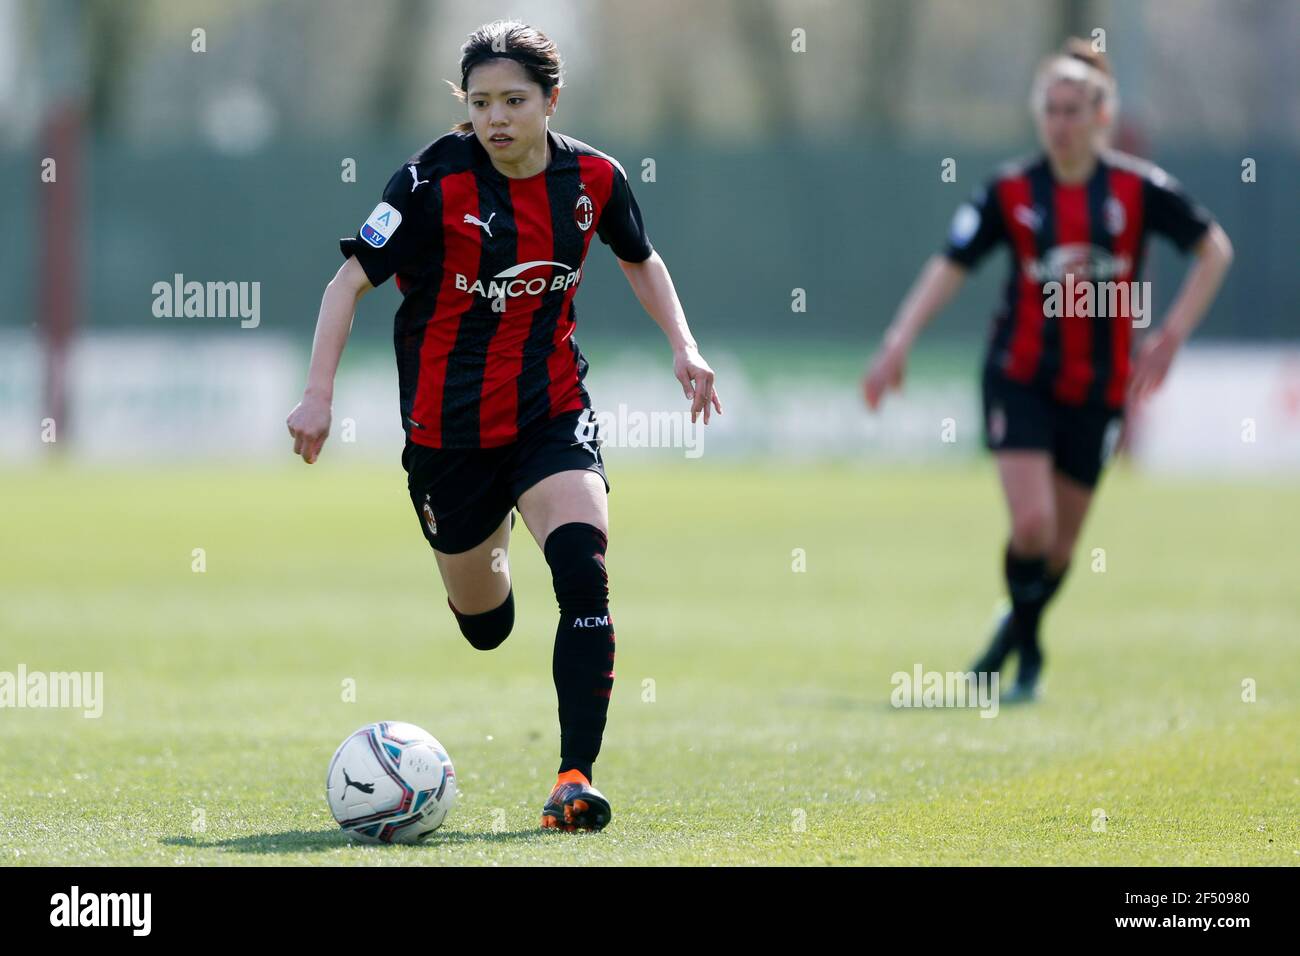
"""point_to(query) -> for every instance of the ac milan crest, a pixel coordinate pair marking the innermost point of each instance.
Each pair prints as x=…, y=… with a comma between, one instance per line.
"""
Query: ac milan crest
x=584, y=210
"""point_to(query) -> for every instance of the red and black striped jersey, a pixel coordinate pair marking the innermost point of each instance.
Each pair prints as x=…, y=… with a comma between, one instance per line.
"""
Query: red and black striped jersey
x=488, y=267
x=1094, y=232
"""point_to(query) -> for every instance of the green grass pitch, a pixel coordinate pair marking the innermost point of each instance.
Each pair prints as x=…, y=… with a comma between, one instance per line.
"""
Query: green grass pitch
x=750, y=721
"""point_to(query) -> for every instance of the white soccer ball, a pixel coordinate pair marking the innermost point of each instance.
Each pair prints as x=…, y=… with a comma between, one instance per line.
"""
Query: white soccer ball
x=390, y=782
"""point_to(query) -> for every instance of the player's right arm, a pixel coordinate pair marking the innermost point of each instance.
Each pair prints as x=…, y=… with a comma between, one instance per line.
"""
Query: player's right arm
x=395, y=238
x=309, y=422
x=934, y=288
x=976, y=229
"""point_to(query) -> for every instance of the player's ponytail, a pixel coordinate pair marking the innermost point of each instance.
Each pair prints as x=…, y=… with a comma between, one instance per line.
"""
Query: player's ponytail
x=529, y=47
x=1078, y=61
x=1080, y=49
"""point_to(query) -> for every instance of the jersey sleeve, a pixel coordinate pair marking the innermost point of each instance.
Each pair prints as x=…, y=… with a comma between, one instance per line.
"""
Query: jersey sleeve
x=620, y=225
x=396, y=236
x=976, y=228
x=1170, y=212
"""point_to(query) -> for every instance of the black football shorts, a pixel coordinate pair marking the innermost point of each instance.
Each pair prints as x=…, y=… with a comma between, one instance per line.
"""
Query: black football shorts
x=461, y=495
x=1019, y=417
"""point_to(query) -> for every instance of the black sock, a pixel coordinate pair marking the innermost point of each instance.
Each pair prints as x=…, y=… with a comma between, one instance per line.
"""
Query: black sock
x=487, y=630
x=1028, y=587
x=583, y=664
x=1028, y=613
x=1054, y=584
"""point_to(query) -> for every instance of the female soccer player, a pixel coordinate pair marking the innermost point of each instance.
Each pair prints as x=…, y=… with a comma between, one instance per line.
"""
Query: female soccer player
x=486, y=230
x=1056, y=380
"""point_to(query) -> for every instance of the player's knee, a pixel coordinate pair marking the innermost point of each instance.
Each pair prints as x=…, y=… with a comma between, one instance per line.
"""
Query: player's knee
x=576, y=555
x=487, y=630
x=1058, y=557
x=1032, y=529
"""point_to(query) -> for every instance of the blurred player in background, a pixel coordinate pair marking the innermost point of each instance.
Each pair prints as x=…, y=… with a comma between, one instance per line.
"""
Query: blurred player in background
x=486, y=230
x=1055, y=383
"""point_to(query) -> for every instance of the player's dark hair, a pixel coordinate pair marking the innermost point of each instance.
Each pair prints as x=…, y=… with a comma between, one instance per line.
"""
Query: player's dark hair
x=510, y=39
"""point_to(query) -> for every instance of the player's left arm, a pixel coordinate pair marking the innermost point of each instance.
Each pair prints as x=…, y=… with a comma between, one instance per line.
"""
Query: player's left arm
x=622, y=229
x=1213, y=256
x=1169, y=211
x=654, y=289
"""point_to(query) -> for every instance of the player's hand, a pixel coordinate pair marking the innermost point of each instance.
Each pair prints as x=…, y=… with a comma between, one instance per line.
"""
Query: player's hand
x=697, y=381
x=309, y=424
x=1153, y=362
x=884, y=374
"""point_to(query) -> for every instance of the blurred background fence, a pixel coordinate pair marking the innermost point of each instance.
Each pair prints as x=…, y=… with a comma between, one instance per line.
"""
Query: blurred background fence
x=773, y=145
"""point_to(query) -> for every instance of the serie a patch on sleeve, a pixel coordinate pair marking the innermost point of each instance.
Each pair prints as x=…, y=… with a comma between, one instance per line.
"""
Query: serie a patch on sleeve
x=381, y=225
x=965, y=223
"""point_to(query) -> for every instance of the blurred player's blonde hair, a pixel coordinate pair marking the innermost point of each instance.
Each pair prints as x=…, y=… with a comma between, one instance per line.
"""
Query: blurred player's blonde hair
x=1078, y=62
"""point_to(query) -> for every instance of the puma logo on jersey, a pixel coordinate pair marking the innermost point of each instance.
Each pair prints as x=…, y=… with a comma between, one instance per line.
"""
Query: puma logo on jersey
x=1031, y=219
x=476, y=221
x=417, y=181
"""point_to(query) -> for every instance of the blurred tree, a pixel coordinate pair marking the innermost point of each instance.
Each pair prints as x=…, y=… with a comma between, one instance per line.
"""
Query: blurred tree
x=393, y=90
x=890, y=29
x=1074, y=18
x=112, y=32
x=764, y=40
